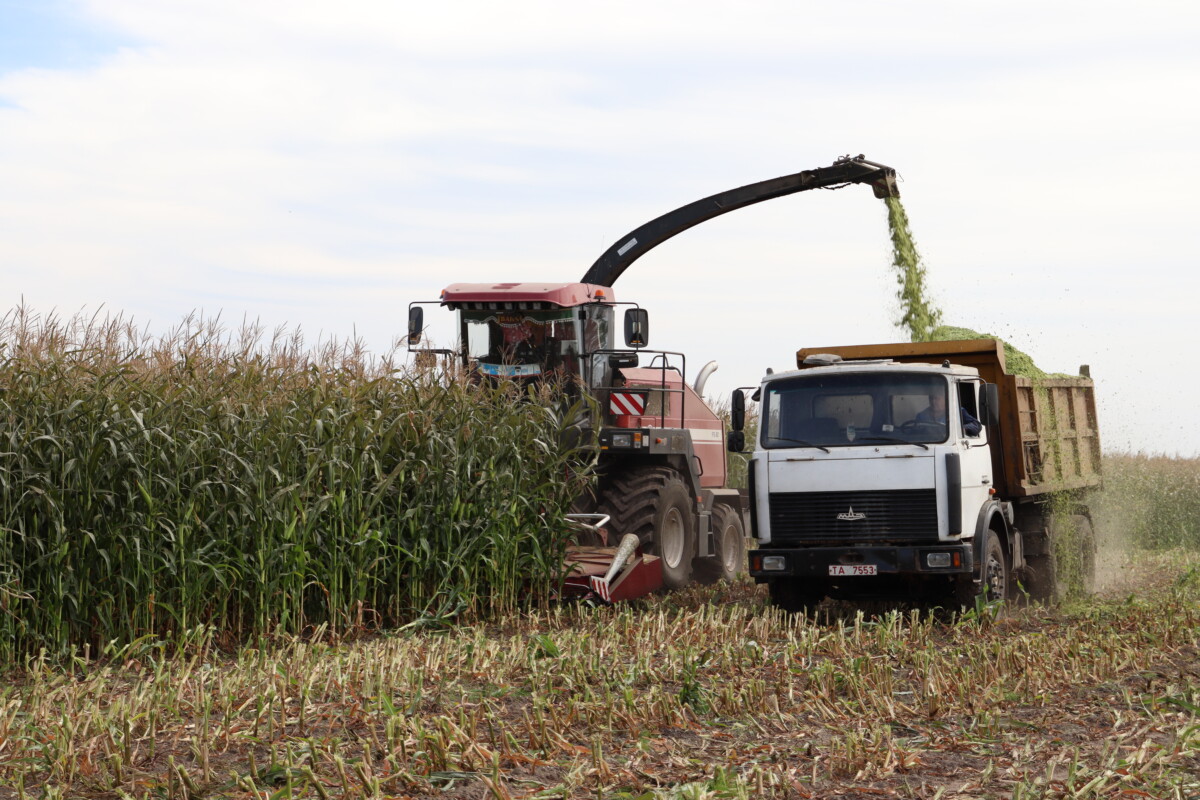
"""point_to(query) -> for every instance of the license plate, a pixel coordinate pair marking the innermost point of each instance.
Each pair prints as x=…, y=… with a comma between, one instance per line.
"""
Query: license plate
x=853, y=569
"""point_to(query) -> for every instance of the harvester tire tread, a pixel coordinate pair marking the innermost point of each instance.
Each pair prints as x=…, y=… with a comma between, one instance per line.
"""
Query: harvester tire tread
x=654, y=504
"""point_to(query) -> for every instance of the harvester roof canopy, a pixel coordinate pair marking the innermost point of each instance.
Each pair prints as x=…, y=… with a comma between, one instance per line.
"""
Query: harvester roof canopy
x=561, y=295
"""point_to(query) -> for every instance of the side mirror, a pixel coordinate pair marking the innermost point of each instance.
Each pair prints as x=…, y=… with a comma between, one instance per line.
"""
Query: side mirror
x=416, y=324
x=990, y=400
x=736, y=441
x=637, y=327
x=737, y=410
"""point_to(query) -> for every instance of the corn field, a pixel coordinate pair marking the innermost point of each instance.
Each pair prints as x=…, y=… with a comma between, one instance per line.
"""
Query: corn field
x=149, y=486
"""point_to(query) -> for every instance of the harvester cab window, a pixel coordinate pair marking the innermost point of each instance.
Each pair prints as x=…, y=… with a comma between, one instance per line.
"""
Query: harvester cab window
x=522, y=343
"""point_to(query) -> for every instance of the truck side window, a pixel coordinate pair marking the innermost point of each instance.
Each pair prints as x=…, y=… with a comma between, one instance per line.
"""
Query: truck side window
x=967, y=400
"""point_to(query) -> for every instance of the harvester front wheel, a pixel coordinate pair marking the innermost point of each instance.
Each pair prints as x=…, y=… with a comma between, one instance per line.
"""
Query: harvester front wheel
x=729, y=543
x=654, y=504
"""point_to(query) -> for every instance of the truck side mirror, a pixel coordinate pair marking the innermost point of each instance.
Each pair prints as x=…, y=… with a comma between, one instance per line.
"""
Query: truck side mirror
x=637, y=327
x=990, y=400
x=736, y=441
x=737, y=410
x=416, y=324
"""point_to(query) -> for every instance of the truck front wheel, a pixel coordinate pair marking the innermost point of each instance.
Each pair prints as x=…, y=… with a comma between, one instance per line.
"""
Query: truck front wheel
x=994, y=585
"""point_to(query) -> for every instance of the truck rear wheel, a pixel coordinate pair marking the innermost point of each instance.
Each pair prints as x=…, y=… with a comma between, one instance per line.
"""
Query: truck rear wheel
x=654, y=504
x=1087, y=555
x=1074, y=546
x=729, y=543
x=1041, y=579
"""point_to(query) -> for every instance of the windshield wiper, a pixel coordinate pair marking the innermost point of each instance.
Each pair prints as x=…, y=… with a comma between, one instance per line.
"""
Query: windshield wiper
x=889, y=439
x=800, y=442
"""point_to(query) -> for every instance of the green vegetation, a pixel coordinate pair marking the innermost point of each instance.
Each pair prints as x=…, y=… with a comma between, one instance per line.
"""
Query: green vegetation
x=918, y=315
x=1151, y=502
x=1016, y=361
x=151, y=487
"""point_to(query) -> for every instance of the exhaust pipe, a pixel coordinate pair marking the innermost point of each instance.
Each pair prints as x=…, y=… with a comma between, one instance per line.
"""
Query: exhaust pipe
x=705, y=372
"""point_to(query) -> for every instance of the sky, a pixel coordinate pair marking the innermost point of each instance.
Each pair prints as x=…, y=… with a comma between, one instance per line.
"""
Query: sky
x=320, y=166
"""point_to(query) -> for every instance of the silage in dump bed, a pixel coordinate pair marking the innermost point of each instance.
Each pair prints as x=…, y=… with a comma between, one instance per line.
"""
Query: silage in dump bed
x=151, y=487
x=918, y=315
x=1016, y=362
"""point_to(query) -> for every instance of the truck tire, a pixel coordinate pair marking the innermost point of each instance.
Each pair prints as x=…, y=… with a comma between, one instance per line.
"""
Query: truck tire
x=1087, y=545
x=729, y=544
x=653, y=503
x=1041, y=577
x=1071, y=557
x=793, y=596
x=994, y=586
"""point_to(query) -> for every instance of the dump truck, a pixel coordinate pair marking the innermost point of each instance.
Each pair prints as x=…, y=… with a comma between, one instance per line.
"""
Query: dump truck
x=917, y=471
x=661, y=473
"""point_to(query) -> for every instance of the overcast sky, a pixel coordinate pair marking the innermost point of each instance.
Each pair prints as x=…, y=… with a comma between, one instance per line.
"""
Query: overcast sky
x=322, y=164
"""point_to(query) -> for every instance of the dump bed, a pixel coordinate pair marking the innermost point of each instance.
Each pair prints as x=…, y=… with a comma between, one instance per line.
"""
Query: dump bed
x=1048, y=439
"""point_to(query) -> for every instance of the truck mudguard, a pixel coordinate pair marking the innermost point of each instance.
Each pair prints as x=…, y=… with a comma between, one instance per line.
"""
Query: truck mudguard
x=993, y=509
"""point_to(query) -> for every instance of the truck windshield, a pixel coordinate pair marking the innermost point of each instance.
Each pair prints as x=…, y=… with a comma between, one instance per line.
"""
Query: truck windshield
x=855, y=409
x=522, y=343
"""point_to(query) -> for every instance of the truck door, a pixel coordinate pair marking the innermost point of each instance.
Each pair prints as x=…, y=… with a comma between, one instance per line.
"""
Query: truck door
x=974, y=456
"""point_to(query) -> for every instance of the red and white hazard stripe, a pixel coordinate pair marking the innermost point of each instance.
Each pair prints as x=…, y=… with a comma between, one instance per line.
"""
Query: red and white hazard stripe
x=600, y=587
x=627, y=403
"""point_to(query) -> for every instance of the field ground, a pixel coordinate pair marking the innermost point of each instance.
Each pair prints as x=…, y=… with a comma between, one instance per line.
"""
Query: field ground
x=701, y=694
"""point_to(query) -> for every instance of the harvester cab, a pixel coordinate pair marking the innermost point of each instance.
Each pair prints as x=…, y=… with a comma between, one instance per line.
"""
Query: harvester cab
x=661, y=469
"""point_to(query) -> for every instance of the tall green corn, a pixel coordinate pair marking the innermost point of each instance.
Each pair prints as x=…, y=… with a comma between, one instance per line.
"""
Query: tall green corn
x=151, y=486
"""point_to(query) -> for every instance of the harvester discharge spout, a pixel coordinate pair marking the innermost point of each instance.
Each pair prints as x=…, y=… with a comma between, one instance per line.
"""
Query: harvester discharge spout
x=636, y=243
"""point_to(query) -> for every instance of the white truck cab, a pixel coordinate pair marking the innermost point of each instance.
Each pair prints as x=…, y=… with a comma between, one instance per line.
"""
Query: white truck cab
x=871, y=478
x=918, y=471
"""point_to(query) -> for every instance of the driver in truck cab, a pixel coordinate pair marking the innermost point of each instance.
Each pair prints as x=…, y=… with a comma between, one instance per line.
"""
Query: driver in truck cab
x=936, y=412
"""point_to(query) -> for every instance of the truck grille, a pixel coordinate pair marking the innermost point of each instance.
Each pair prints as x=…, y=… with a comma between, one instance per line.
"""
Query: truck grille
x=909, y=515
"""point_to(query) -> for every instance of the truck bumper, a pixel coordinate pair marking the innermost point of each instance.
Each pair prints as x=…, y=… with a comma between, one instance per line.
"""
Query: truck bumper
x=947, y=559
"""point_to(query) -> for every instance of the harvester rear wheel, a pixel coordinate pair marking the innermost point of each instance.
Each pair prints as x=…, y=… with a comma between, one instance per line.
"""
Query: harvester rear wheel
x=654, y=504
x=729, y=543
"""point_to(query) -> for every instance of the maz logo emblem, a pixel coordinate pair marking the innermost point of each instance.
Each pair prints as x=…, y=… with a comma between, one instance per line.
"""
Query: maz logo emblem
x=851, y=515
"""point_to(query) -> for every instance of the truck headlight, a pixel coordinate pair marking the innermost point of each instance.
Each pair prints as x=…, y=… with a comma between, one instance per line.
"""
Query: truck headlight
x=936, y=560
x=774, y=563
